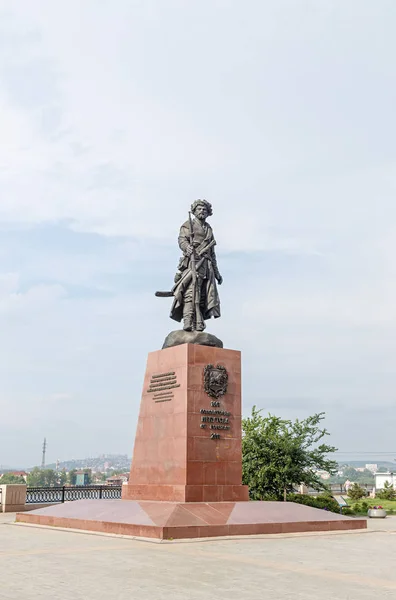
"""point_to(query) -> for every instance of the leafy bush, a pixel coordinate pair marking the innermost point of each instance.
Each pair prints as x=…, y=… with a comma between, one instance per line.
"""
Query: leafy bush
x=323, y=501
x=347, y=511
x=365, y=506
x=388, y=493
x=357, y=508
x=356, y=492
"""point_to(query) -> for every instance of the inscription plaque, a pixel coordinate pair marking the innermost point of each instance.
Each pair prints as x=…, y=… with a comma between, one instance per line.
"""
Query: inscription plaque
x=161, y=386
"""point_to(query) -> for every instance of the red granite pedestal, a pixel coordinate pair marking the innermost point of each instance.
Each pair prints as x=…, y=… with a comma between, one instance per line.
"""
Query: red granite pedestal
x=188, y=444
x=186, y=473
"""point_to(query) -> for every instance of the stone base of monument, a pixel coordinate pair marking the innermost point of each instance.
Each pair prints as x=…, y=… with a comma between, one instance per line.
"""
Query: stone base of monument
x=186, y=473
x=173, y=520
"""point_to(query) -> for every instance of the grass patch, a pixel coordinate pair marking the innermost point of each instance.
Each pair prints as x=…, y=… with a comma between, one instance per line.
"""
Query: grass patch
x=359, y=508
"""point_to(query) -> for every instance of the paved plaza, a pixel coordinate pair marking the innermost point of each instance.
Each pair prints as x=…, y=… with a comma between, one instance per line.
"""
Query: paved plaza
x=47, y=564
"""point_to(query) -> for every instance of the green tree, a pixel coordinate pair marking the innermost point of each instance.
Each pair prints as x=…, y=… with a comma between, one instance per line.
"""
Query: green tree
x=36, y=478
x=278, y=454
x=50, y=477
x=350, y=473
x=10, y=478
x=71, y=477
x=388, y=493
x=365, y=476
x=43, y=478
x=62, y=478
x=89, y=476
x=356, y=492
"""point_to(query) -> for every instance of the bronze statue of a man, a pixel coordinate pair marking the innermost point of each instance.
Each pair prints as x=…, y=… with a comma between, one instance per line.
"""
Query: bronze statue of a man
x=195, y=291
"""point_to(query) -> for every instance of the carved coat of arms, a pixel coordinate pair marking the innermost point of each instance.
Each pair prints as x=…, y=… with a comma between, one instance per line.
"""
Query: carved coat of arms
x=215, y=380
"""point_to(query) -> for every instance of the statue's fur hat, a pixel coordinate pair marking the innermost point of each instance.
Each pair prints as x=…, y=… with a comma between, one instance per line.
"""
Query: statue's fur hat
x=200, y=203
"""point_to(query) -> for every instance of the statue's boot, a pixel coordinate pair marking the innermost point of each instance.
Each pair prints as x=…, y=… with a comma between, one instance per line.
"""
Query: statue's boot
x=188, y=314
x=201, y=326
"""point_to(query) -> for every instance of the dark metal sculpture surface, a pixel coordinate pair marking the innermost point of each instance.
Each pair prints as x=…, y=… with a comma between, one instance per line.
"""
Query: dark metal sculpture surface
x=215, y=380
x=195, y=292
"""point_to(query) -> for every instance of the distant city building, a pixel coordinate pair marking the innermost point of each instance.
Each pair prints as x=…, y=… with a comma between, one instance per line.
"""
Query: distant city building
x=360, y=469
x=382, y=478
x=372, y=467
x=323, y=474
x=118, y=479
x=81, y=478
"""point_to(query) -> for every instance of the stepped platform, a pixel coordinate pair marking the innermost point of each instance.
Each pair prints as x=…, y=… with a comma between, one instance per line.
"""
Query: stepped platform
x=181, y=520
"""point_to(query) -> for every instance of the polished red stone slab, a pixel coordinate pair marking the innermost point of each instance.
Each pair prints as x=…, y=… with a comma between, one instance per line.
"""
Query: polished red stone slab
x=174, y=457
x=171, y=520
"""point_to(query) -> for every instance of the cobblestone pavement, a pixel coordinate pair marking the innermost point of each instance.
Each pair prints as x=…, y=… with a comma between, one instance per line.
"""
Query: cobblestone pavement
x=47, y=564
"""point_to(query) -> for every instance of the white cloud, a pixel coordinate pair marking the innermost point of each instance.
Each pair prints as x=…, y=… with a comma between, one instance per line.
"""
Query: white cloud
x=37, y=298
x=119, y=113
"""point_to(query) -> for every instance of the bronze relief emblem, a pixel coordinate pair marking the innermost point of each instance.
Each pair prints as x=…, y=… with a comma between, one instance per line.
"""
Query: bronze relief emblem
x=215, y=380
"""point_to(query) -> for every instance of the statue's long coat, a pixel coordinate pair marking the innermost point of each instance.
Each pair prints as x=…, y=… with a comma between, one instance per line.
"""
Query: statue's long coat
x=209, y=297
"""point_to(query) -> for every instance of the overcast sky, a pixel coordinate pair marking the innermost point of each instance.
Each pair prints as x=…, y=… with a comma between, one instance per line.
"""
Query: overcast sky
x=114, y=117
